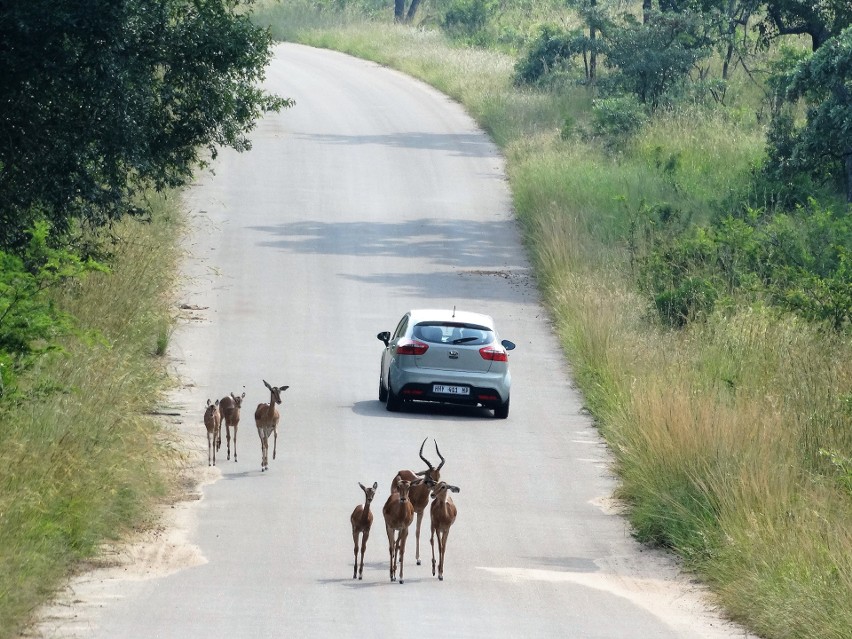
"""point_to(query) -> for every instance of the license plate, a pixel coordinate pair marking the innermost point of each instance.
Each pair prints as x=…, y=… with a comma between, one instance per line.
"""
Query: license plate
x=450, y=390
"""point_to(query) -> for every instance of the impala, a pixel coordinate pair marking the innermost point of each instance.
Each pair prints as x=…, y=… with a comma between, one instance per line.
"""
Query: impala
x=266, y=417
x=362, y=520
x=212, y=423
x=419, y=494
x=398, y=513
x=443, y=513
x=229, y=408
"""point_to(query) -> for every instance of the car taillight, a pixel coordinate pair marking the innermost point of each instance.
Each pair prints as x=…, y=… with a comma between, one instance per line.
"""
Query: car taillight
x=494, y=353
x=411, y=347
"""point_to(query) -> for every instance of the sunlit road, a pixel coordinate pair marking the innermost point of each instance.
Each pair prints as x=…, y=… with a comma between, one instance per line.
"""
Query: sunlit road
x=373, y=195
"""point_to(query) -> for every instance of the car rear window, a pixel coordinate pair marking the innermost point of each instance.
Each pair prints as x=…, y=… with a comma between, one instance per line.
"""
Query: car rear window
x=453, y=333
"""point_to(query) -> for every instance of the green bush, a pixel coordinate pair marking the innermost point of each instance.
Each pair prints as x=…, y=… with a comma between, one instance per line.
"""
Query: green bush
x=687, y=300
x=551, y=52
x=800, y=262
x=466, y=19
x=30, y=323
x=650, y=60
x=618, y=117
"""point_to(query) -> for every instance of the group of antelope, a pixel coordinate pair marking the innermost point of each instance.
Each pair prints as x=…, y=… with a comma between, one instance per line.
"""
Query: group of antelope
x=227, y=411
x=410, y=494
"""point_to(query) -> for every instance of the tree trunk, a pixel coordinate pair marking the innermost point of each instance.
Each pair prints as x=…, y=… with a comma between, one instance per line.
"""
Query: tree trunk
x=412, y=10
x=398, y=10
x=727, y=61
x=593, y=37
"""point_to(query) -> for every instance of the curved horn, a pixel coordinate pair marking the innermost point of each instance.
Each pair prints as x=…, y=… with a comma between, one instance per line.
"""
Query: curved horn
x=439, y=455
x=431, y=467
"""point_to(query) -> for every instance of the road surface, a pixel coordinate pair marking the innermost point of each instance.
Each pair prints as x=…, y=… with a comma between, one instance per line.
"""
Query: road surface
x=373, y=195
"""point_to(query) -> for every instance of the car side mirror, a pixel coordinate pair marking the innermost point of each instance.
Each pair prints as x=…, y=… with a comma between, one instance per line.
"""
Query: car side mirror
x=508, y=345
x=384, y=336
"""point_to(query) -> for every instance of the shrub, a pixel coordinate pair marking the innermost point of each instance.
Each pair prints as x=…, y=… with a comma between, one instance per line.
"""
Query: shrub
x=466, y=19
x=649, y=60
x=618, y=116
x=688, y=299
x=551, y=51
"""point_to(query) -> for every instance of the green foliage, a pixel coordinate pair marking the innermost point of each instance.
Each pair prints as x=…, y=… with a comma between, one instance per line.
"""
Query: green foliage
x=819, y=20
x=618, y=117
x=652, y=59
x=99, y=100
x=466, y=19
x=551, y=51
x=677, y=272
x=822, y=147
x=801, y=263
x=30, y=323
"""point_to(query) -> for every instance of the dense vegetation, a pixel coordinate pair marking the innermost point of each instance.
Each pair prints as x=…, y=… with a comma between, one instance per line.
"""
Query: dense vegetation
x=102, y=104
x=680, y=173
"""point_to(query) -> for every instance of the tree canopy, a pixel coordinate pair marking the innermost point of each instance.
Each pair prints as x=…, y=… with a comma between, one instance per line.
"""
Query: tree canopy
x=101, y=98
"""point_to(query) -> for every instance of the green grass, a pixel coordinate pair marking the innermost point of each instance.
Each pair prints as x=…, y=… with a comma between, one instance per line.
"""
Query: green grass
x=733, y=438
x=83, y=461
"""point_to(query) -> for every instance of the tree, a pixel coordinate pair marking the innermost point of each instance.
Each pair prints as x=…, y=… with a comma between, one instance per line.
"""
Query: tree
x=399, y=12
x=819, y=20
x=651, y=59
x=103, y=98
x=823, y=146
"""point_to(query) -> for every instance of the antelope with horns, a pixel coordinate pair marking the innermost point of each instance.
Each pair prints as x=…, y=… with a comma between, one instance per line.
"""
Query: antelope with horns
x=214, y=434
x=398, y=513
x=443, y=513
x=266, y=417
x=419, y=494
x=229, y=408
x=362, y=520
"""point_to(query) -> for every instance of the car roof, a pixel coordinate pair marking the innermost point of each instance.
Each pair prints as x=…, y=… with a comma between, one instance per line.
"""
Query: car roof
x=446, y=315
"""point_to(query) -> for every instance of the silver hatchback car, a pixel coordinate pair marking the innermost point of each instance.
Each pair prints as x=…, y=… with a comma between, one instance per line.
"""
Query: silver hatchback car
x=445, y=356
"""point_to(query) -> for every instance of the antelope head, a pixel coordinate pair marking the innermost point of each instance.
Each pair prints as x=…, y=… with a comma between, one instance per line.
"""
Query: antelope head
x=369, y=492
x=212, y=407
x=440, y=487
x=432, y=473
x=276, y=392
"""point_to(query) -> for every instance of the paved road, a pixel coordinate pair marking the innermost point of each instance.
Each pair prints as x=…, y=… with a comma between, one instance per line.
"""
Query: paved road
x=373, y=195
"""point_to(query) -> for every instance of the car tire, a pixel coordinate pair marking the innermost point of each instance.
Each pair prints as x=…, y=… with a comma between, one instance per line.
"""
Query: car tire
x=383, y=392
x=502, y=411
x=394, y=402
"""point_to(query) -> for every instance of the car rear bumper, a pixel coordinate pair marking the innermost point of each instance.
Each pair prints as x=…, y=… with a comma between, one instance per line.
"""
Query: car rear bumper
x=486, y=389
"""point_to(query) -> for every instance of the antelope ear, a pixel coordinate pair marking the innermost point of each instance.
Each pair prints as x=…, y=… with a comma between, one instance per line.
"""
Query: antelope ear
x=375, y=485
x=265, y=383
x=421, y=473
x=243, y=395
x=283, y=388
x=455, y=489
